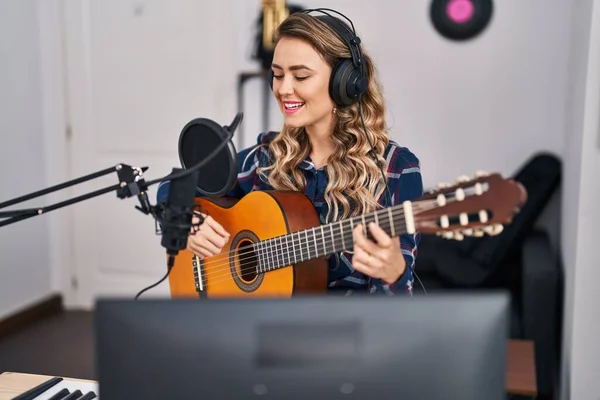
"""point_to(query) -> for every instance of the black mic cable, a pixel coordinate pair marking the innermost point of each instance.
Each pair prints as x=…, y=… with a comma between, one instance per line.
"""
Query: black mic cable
x=175, y=218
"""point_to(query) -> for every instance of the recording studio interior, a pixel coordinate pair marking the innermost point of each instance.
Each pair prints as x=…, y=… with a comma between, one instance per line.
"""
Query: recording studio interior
x=134, y=135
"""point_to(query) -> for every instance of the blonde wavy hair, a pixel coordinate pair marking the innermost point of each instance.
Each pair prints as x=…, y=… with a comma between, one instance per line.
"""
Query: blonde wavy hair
x=355, y=181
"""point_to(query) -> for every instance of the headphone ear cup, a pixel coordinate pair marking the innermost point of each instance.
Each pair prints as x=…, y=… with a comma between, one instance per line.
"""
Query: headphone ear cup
x=343, y=76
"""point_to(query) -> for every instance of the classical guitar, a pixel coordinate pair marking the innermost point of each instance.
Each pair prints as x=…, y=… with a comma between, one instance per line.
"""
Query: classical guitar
x=278, y=247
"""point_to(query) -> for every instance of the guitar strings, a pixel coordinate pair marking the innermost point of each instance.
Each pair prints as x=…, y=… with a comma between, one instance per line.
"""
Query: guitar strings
x=221, y=273
x=269, y=244
x=242, y=261
x=227, y=257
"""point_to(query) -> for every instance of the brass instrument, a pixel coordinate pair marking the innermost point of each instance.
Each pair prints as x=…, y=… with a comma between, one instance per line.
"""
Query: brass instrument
x=274, y=12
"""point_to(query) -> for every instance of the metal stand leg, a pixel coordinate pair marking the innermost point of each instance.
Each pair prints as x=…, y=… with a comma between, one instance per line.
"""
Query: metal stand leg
x=242, y=79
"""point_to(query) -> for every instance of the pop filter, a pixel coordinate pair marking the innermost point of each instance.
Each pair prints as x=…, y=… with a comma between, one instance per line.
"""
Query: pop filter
x=198, y=139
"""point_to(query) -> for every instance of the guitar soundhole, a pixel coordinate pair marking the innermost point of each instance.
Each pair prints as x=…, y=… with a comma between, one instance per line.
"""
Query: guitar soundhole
x=243, y=265
x=247, y=261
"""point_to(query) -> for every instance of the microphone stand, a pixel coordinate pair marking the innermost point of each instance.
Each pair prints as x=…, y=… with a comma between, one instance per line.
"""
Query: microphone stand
x=131, y=183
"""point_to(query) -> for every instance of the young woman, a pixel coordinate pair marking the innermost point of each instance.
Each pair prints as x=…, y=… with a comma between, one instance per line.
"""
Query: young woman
x=323, y=151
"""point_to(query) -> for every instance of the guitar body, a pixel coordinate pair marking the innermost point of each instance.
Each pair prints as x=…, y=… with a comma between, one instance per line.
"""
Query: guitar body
x=257, y=216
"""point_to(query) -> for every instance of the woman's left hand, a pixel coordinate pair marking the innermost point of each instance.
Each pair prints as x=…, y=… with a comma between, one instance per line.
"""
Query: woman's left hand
x=381, y=259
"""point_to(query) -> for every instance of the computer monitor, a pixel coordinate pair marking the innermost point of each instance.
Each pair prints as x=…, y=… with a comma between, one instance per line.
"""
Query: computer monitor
x=442, y=346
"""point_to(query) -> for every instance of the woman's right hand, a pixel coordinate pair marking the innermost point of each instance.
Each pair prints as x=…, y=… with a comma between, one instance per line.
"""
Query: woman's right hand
x=209, y=239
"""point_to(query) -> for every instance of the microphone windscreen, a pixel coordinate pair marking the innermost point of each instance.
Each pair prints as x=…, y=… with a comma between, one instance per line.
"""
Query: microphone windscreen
x=198, y=139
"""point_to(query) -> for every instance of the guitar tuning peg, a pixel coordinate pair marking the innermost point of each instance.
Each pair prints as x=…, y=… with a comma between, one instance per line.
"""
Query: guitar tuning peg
x=443, y=185
x=488, y=229
x=468, y=232
x=463, y=178
x=498, y=228
x=448, y=235
x=458, y=236
x=480, y=173
x=478, y=233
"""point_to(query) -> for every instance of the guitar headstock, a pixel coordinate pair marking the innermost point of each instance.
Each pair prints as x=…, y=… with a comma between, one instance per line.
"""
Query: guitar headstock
x=469, y=207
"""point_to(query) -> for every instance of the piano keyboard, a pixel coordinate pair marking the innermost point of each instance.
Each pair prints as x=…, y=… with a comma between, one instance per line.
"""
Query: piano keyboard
x=62, y=389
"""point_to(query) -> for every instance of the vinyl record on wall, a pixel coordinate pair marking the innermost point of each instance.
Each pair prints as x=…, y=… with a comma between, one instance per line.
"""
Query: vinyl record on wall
x=461, y=19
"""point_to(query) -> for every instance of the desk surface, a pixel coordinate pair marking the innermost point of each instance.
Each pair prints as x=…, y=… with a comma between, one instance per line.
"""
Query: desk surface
x=520, y=377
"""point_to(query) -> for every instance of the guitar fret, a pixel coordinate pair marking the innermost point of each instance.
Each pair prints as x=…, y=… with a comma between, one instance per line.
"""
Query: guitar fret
x=287, y=251
x=261, y=261
x=275, y=255
x=391, y=219
x=257, y=251
x=307, y=241
x=280, y=259
x=267, y=255
x=342, y=232
x=333, y=246
x=300, y=247
x=315, y=241
x=294, y=249
x=281, y=252
x=272, y=255
x=352, y=231
x=364, y=224
x=323, y=237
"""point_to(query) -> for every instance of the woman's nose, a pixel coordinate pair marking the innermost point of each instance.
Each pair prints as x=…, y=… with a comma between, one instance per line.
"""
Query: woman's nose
x=285, y=86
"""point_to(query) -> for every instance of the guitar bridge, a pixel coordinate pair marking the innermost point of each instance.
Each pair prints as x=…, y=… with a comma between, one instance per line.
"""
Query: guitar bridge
x=198, y=267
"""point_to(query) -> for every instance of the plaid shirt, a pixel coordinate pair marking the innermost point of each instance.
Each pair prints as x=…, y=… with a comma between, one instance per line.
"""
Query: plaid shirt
x=404, y=182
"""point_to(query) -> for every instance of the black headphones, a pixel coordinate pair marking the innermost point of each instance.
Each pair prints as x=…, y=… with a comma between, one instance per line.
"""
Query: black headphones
x=348, y=81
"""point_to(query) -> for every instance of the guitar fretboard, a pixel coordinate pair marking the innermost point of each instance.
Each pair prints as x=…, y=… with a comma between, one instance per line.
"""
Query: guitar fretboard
x=323, y=240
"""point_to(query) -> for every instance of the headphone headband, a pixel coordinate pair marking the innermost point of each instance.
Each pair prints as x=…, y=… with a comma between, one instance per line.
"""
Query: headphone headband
x=347, y=35
x=348, y=79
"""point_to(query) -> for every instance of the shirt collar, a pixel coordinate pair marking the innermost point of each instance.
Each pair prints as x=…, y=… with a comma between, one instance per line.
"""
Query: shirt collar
x=308, y=165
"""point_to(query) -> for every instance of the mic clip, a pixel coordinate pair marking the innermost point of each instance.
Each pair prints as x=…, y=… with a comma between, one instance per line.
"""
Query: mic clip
x=132, y=183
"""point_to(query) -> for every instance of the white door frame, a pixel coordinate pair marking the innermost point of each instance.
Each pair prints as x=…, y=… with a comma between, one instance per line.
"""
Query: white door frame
x=56, y=146
x=78, y=113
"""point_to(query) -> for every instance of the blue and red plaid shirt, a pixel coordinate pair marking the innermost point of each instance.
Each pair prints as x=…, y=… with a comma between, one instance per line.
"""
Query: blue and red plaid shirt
x=404, y=182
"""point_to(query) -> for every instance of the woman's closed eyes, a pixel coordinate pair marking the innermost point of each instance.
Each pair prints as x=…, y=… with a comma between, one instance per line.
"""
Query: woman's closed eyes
x=298, y=78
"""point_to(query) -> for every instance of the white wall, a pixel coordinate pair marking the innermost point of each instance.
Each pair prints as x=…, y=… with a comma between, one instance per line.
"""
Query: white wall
x=488, y=103
x=575, y=102
x=581, y=211
x=24, y=247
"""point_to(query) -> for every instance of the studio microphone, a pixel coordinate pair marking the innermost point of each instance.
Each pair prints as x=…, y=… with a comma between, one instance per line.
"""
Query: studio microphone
x=177, y=213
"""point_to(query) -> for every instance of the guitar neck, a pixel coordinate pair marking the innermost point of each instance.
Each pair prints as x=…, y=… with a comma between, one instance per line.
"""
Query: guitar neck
x=323, y=240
